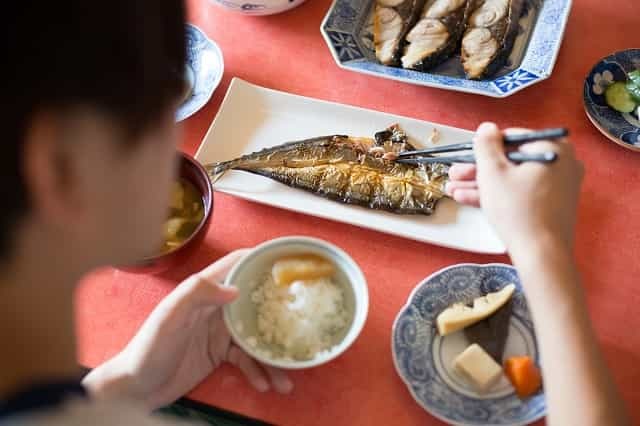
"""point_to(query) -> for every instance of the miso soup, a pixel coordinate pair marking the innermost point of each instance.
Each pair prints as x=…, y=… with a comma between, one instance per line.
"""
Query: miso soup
x=186, y=211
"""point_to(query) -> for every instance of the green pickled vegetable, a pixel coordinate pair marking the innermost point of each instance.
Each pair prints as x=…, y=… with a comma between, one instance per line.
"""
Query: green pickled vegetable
x=634, y=91
x=634, y=77
x=619, y=98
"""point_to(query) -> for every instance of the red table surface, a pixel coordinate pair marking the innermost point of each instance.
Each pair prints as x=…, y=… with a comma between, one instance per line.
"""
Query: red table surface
x=286, y=52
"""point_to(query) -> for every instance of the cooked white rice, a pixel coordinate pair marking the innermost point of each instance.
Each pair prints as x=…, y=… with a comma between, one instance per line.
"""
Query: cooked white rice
x=301, y=319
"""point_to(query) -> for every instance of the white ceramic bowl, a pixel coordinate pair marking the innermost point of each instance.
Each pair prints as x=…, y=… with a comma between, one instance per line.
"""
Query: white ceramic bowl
x=258, y=7
x=248, y=272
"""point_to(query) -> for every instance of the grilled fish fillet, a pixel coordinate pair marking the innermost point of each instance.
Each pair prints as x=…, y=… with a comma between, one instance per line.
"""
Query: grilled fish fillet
x=350, y=170
x=492, y=29
x=437, y=34
x=392, y=19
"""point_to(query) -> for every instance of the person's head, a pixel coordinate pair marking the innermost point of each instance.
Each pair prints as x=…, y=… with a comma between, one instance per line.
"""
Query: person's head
x=88, y=138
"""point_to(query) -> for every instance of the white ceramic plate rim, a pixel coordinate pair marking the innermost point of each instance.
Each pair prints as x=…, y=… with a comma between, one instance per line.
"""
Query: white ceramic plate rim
x=406, y=306
x=360, y=315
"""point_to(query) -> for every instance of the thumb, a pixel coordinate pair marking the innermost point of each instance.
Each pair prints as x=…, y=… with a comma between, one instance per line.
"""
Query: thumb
x=489, y=148
x=206, y=293
x=221, y=295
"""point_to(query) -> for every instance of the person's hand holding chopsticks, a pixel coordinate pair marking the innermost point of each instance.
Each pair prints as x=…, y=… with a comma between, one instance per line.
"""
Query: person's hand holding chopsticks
x=522, y=201
x=533, y=208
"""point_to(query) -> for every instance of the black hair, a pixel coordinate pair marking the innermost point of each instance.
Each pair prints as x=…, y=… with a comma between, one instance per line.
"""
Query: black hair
x=122, y=57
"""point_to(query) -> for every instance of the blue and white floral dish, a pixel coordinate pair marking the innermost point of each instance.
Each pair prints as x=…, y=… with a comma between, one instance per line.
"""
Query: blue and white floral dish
x=423, y=358
x=623, y=129
x=204, y=70
x=258, y=7
x=348, y=29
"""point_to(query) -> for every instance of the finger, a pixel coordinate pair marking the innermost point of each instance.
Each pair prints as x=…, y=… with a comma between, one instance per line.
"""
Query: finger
x=535, y=147
x=202, y=288
x=545, y=146
x=521, y=130
x=516, y=130
x=470, y=197
x=219, y=339
x=451, y=187
x=279, y=379
x=249, y=368
x=462, y=172
x=220, y=268
x=215, y=294
x=489, y=147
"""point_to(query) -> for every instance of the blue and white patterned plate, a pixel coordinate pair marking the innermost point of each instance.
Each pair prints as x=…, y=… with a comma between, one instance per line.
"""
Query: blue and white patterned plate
x=423, y=358
x=258, y=7
x=348, y=28
x=623, y=129
x=205, y=67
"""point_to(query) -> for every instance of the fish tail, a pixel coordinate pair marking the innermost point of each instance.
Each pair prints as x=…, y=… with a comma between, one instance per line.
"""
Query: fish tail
x=261, y=158
x=217, y=170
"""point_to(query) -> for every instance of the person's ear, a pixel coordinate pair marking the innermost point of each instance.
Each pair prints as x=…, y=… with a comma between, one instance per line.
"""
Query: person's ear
x=48, y=170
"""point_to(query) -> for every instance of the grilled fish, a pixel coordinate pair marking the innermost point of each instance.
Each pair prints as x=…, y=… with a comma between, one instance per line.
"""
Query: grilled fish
x=437, y=34
x=492, y=29
x=350, y=170
x=392, y=19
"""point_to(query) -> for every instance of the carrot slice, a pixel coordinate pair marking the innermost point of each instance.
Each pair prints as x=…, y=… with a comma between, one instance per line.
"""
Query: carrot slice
x=523, y=374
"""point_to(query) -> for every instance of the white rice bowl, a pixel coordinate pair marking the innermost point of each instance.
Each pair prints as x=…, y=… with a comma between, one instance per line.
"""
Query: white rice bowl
x=303, y=324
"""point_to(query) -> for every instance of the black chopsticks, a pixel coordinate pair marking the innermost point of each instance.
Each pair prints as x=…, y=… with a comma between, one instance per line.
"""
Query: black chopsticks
x=509, y=140
x=516, y=157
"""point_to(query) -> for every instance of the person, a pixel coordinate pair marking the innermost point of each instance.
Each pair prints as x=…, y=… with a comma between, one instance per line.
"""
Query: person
x=88, y=156
x=533, y=207
x=89, y=92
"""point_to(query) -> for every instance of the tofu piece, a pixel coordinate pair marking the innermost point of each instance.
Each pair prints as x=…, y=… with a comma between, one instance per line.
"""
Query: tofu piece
x=460, y=315
x=478, y=367
x=177, y=196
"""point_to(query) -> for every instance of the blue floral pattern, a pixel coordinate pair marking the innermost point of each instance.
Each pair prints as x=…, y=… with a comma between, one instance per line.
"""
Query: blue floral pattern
x=415, y=343
x=204, y=58
x=514, y=80
x=347, y=30
x=345, y=45
x=623, y=129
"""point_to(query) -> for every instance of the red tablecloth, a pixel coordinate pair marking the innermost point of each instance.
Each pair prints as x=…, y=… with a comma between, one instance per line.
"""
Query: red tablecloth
x=286, y=52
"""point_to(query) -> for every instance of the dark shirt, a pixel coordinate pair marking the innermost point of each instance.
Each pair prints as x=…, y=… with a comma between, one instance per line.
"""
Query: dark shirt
x=39, y=397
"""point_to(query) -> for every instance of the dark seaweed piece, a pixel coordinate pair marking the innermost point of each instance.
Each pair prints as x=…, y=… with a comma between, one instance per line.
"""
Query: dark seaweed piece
x=492, y=332
x=382, y=136
x=392, y=134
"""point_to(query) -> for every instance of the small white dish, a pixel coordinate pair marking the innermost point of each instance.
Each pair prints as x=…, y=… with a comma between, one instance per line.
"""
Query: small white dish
x=252, y=118
x=258, y=7
x=203, y=71
x=240, y=315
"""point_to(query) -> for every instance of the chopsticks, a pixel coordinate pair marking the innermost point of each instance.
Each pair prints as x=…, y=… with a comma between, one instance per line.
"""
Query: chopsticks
x=516, y=157
x=509, y=140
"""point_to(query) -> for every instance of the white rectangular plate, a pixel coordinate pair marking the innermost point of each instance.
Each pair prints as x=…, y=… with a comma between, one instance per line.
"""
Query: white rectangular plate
x=252, y=118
